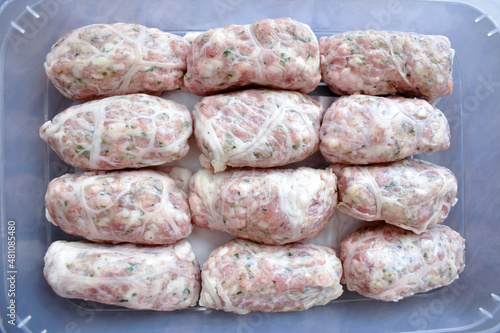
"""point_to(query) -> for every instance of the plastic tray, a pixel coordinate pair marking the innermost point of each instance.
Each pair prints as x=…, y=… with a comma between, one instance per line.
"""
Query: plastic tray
x=27, y=99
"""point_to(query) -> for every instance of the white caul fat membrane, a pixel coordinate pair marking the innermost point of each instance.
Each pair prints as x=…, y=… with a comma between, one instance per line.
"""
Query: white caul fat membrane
x=256, y=127
x=120, y=132
x=84, y=64
x=274, y=206
x=241, y=276
x=412, y=194
x=374, y=267
x=362, y=129
x=139, y=206
x=161, y=278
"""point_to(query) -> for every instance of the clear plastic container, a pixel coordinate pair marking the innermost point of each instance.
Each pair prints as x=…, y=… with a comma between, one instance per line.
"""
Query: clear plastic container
x=27, y=99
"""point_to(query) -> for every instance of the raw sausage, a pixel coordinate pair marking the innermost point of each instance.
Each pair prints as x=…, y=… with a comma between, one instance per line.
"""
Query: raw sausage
x=161, y=278
x=362, y=129
x=257, y=128
x=140, y=206
x=388, y=263
x=103, y=60
x=130, y=131
x=387, y=63
x=412, y=194
x=241, y=276
x=273, y=206
x=277, y=53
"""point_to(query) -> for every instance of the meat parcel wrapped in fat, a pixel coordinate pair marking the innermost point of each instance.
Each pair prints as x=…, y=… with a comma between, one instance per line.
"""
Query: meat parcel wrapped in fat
x=257, y=128
x=241, y=277
x=387, y=63
x=141, y=206
x=119, y=132
x=103, y=60
x=273, y=206
x=161, y=278
x=278, y=53
x=388, y=263
x=362, y=129
x=412, y=194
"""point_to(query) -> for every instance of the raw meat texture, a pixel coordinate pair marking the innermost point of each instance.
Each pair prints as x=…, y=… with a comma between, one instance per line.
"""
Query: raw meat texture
x=272, y=206
x=140, y=206
x=103, y=60
x=241, y=277
x=388, y=263
x=387, y=63
x=130, y=131
x=411, y=194
x=161, y=278
x=277, y=53
x=362, y=129
x=257, y=128
x=181, y=176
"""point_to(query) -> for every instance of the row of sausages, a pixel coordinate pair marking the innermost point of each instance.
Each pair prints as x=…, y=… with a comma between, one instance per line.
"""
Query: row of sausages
x=242, y=276
x=104, y=60
x=255, y=127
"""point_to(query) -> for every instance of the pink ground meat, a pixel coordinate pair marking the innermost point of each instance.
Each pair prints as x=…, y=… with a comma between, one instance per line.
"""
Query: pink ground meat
x=388, y=263
x=273, y=206
x=387, y=63
x=241, y=277
x=360, y=129
x=256, y=127
x=115, y=59
x=142, y=206
x=130, y=131
x=412, y=194
x=277, y=53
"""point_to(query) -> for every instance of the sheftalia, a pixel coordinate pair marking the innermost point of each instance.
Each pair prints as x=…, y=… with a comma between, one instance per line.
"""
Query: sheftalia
x=387, y=263
x=256, y=127
x=139, y=206
x=241, y=277
x=412, y=194
x=269, y=206
x=362, y=129
x=103, y=60
x=278, y=53
x=130, y=131
x=387, y=63
x=161, y=278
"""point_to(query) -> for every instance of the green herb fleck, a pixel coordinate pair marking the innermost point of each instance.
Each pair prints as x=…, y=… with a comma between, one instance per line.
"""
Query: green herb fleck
x=132, y=267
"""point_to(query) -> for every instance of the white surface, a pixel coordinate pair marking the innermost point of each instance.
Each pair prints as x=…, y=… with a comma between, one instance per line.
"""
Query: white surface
x=490, y=7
